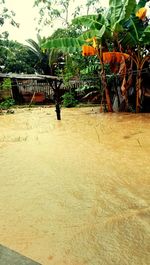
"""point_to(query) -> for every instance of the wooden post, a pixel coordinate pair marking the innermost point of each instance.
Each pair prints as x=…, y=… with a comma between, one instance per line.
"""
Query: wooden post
x=57, y=99
x=58, y=112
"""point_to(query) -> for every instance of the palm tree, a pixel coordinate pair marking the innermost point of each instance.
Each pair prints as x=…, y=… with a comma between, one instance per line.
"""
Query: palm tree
x=48, y=59
x=42, y=64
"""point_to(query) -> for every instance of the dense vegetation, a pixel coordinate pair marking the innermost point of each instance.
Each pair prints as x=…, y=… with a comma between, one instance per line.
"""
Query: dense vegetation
x=108, y=51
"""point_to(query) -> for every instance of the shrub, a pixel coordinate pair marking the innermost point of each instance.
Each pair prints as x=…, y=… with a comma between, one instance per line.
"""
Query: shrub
x=6, y=84
x=7, y=104
x=69, y=100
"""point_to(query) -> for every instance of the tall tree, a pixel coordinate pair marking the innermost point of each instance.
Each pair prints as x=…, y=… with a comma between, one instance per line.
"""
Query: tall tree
x=47, y=61
x=42, y=57
x=52, y=10
x=6, y=14
x=14, y=57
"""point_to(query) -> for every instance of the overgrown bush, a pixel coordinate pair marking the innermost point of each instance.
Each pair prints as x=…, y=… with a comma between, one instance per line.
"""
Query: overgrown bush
x=69, y=100
x=7, y=104
x=6, y=84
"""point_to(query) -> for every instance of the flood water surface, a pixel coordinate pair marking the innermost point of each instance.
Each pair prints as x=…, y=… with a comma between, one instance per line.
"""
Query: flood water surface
x=75, y=191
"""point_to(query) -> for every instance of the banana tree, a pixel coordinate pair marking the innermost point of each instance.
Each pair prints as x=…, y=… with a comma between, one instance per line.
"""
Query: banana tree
x=74, y=45
x=105, y=29
x=124, y=22
x=125, y=26
x=135, y=39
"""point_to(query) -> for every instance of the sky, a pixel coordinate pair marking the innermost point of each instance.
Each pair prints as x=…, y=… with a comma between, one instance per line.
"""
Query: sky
x=25, y=15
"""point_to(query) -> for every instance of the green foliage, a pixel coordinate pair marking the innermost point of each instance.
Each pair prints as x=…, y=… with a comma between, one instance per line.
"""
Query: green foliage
x=72, y=31
x=86, y=88
x=135, y=33
x=69, y=100
x=64, y=44
x=118, y=29
x=70, y=68
x=145, y=38
x=16, y=58
x=105, y=27
x=35, y=48
x=83, y=88
x=41, y=64
x=48, y=13
x=89, y=83
x=6, y=84
x=89, y=21
x=120, y=10
x=141, y=3
x=89, y=70
x=88, y=34
x=7, y=104
x=6, y=15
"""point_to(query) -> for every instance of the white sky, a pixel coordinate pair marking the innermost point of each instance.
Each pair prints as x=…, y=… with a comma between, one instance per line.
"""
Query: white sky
x=25, y=14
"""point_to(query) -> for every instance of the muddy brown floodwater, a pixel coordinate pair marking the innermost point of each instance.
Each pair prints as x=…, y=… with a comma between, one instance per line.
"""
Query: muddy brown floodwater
x=76, y=191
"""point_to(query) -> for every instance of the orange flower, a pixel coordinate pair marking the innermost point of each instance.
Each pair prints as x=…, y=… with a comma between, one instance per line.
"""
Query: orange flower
x=141, y=13
x=114, y=57
x=88, y=50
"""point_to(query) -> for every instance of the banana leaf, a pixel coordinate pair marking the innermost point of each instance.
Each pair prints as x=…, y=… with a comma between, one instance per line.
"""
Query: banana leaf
x=120, y=11
x=69, y=45
x=89, y=21
x=146, y=36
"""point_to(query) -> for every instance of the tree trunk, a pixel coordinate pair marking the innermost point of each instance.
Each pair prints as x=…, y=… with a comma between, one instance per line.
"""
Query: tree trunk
x=104, y=84
x=104, y=81
x=138, y=91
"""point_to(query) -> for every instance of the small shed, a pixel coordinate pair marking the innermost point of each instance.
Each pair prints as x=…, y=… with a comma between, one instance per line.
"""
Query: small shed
x=41, y=88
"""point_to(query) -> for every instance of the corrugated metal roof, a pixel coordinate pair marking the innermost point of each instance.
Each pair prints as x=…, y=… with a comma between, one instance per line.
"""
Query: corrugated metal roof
x=29, y=76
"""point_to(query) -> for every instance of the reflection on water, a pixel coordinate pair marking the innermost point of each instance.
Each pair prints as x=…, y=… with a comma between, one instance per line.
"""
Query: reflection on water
x=75, y=191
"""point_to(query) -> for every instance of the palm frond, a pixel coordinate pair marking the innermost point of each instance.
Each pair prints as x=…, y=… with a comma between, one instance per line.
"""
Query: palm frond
x=53, y=56
x=34, y=47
